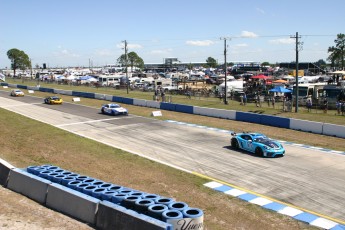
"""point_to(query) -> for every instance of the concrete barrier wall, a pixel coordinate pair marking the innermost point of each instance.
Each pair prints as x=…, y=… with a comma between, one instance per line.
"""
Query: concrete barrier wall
x=248, y=117
x=117, y=99
x=204, y=111
x=307, y=126
x=128, y=101
x=168, y=106
x=111, y=216
x=139, y=102
x=153, y=104
x=333, y=130
x=221, y=113
x=275, y=121
x=48, y=90
x=33, y=88
x=5, y=169
x=12, y=85
x=109, y=97
x=226, y=114
x=63, y=92
x=72, y=203
x=100, y=96
x=83, y=94
x=22, y=87
x=184, y=108
x=28, y=184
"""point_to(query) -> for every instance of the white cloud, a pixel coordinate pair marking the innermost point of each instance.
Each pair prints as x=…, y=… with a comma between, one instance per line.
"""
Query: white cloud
x=282, y=41
x=65, y=53
x=260, y=11
x=200, y=43
x=166, y=51
x=247, y=34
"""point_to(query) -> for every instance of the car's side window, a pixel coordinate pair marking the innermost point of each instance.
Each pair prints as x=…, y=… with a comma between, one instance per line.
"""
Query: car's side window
x=246, y=137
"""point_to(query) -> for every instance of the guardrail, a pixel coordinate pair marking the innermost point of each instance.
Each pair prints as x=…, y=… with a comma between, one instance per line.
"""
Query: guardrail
x=275, y=121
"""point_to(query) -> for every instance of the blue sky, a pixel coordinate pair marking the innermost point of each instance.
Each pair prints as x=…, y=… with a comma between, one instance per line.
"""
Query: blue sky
x=72, y=32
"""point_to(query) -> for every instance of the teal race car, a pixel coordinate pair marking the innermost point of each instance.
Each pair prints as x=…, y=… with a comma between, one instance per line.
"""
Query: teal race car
x=257, y=143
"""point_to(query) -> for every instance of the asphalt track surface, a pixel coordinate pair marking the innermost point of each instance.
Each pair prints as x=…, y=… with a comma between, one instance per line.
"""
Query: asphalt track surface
x=307, y=178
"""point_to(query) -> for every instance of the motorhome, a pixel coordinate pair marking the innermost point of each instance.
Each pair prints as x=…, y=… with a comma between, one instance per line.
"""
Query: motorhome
x=166, y=84
x=305, y=90
x=332, y=92
x=109, y=80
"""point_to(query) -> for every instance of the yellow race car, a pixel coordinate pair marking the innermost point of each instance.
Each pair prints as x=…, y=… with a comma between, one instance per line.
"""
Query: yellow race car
x=53, y=100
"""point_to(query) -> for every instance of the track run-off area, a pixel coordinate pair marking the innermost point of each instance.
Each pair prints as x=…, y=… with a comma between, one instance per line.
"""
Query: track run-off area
x=307, y=178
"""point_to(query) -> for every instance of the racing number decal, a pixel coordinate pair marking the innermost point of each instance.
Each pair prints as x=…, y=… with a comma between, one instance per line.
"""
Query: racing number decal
x=249, y=144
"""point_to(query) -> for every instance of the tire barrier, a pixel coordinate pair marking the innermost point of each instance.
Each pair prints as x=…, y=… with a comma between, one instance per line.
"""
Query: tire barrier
x=156, y=210
x=171, y=216
x=180, y=206
x=165, y=209
x=142, y=205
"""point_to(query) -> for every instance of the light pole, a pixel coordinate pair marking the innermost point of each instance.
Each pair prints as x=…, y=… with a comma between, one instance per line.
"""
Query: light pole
x=296, y=92
x=126, y=61
x=225, y=67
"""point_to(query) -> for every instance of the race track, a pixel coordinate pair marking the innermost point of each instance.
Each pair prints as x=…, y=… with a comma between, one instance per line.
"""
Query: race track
x=307, y=178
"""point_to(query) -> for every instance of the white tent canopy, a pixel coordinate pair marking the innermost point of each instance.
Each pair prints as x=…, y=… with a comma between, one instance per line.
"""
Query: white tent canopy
x=339, y=72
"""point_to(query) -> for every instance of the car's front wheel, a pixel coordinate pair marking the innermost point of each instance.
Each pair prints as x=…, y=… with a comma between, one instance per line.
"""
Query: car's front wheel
x=259, y=152
x=234, y=143
x=103, y=110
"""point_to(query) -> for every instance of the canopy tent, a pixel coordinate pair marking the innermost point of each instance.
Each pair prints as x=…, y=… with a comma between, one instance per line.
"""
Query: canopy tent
x=339, y=72
x=280, y=89
x=71, y=77
x=261, y=76
x=280, y=81
x=60, y=77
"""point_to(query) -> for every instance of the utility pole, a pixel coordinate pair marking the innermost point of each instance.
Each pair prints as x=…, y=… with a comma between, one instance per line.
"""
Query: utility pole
x=126, y=61
x=296, y=91
x=225, y=67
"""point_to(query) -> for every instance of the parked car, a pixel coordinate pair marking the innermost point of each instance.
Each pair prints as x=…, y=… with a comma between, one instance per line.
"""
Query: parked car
x=113, y=109
x=257, y=143
x=53, y=100
x=17, y=93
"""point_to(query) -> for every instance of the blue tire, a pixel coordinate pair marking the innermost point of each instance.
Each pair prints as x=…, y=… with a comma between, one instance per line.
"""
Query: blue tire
x=156, y=210
x=171, y=214
x=192, y=213
x=180, y=206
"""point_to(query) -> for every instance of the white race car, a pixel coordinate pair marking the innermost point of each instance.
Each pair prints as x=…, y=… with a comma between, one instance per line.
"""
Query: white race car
x=113, y=109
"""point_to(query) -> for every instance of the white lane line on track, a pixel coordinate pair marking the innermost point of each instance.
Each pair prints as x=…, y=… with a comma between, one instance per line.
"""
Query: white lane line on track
x=91, y=121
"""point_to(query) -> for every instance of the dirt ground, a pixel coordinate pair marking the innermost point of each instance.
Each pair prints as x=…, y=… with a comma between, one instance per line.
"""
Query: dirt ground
x=19, y=212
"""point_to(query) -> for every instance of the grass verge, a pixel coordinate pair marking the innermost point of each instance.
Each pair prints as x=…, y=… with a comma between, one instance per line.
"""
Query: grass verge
x=28, y=142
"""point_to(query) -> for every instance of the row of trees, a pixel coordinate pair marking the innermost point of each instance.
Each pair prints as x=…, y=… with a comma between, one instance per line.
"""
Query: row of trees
x=20, y=60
